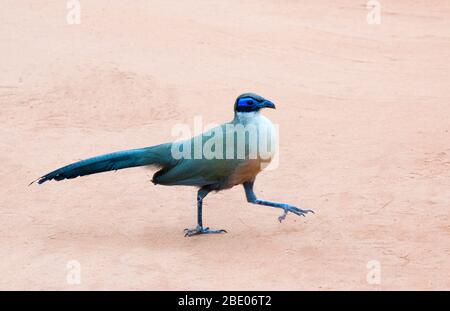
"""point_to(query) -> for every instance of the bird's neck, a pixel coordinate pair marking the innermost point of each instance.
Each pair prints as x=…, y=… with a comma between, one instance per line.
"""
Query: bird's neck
x=246, y=117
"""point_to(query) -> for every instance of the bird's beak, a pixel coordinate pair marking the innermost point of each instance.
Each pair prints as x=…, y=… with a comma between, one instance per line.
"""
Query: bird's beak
x=267, y=104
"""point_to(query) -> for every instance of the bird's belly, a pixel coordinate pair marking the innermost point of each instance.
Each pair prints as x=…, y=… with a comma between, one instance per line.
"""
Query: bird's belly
x=247, y=171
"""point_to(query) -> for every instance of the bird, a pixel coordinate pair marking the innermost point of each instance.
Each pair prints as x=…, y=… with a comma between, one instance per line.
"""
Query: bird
x=228, y=155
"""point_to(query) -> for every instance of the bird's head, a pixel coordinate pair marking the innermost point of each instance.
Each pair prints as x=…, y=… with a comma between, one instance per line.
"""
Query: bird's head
x=251, y=102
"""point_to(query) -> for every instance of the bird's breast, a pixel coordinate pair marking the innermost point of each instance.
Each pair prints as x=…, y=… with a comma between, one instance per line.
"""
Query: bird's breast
x=260, y=150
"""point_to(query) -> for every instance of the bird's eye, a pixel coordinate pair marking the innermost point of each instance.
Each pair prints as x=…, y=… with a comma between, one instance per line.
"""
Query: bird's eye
x=249, y=102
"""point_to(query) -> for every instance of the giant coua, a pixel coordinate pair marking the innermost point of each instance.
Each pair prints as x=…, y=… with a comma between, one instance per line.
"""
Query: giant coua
x=223, y=157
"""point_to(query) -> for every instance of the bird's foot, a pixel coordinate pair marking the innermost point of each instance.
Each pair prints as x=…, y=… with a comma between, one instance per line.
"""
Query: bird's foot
x=201, y=230
x=295, y=210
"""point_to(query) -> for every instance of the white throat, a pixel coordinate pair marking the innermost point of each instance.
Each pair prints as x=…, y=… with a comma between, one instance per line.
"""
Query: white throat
x=247, y=117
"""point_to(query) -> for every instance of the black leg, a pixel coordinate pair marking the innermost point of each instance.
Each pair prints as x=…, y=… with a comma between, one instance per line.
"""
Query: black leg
x=202, y=193
x=251, y=197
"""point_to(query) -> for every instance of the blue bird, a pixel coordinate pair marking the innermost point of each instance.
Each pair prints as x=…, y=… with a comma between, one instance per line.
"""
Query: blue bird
x=221, y=158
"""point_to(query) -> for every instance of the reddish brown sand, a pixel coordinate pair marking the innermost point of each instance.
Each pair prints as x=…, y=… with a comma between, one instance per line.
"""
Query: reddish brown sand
x=363, y=112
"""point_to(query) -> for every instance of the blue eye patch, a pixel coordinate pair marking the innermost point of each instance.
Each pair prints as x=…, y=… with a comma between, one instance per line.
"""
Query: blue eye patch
x=245, y=103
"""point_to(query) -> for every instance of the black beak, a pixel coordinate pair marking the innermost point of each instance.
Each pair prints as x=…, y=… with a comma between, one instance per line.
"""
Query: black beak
x=267, y=104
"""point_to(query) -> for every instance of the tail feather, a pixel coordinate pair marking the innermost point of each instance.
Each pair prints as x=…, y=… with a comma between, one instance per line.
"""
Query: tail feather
x=157, y=155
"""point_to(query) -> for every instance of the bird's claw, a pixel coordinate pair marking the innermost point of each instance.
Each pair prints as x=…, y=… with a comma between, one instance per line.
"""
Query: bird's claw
x=201, y=230
x=295, y=210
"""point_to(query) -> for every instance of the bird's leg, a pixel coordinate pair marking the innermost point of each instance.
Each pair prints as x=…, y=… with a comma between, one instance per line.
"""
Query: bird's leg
x=202, y=193
x=251, y=197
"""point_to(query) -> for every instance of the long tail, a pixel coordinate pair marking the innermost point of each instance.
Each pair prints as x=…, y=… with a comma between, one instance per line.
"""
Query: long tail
x=157, y=155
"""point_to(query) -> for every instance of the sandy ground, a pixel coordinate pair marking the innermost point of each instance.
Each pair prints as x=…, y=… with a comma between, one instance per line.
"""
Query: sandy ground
x=364, y=124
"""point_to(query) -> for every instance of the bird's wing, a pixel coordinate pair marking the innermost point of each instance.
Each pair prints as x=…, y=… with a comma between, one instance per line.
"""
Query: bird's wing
x=202, y=171
x=198, y=172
